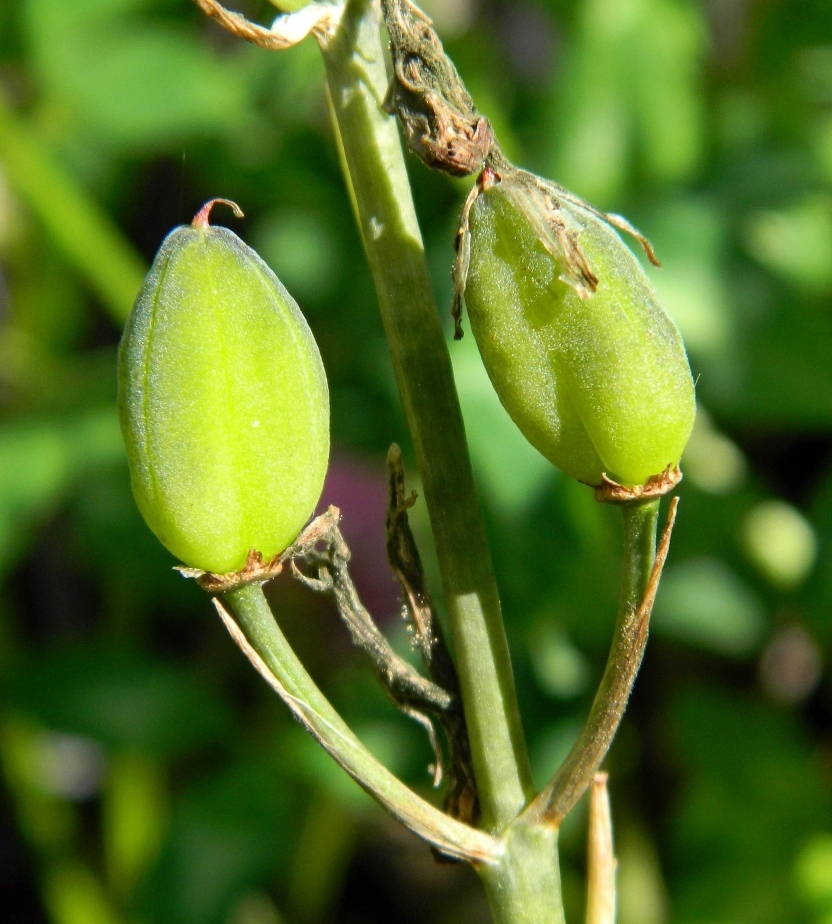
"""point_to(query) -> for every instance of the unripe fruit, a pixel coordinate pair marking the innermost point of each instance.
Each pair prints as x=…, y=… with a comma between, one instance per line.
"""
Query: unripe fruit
x=597, y=381
x=223, y=402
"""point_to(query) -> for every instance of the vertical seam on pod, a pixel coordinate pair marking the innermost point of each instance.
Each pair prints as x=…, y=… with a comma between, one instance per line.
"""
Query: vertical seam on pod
x=295, y=333
x=231, y=438
x=148, y=351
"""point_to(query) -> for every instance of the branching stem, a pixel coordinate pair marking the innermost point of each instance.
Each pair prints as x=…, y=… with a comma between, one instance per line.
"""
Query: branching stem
x=258, y=635
x=642, y=570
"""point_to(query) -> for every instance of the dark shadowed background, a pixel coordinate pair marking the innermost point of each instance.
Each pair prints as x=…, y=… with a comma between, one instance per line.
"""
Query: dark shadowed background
x=147, y=775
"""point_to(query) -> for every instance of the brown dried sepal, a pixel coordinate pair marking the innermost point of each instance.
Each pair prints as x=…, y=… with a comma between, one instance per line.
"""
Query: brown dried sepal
x=288, y=30
x=258, y=570
x=255, y=571
x=543, y=207
x=441, y=124
x=611, y=492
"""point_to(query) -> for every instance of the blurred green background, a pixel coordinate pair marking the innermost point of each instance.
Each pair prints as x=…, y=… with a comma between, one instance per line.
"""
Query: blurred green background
x=148, y=776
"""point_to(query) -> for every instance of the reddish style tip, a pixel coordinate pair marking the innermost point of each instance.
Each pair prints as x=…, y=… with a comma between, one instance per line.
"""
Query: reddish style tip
x=203, y=216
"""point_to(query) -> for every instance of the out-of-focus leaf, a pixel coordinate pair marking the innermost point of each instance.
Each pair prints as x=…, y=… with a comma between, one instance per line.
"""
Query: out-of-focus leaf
x=111, y=539
x=795, y=243
x=824, y=146
x=815, y=67
x=47, y=821
x=640, y=889
x=225, y=835
x=326, y=841
x=560, y=668
x=290, y=6
x=550, y=749
x=783, y=379
x=813, y=873
x=76, y=225
x=300, y=248
x=818, y=591
x=452, y=18
x=667, y=53
x=134, y=819
x=121, y=701
x=703, y=602
x=780, y=542
x=75, y=896
x=131, y=81
x=749, y=796
x=154, y=87
x=40, y=461
x=690, y=239
x=255, y=907
x=43, y=17
x=631, y=85
x=712, y=461
x=68, y=766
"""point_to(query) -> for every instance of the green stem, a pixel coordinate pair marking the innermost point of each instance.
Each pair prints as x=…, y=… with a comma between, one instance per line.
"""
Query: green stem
x=375, y=170
x=259, y=636
x=641, y=523
x=524, y=887
x=638, y=586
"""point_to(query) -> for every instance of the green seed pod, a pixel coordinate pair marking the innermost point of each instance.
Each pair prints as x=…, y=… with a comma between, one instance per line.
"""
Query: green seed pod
x=576, y=344
x=223, y=402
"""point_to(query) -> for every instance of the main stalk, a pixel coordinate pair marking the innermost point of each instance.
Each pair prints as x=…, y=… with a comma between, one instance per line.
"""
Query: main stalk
x=375, y=169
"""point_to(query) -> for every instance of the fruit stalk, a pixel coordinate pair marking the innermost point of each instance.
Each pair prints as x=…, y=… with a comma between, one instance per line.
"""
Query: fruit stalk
x=254, y=629
x=641, y=573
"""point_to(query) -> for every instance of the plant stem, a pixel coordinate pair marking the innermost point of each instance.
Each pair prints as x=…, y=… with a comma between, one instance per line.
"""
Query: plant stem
x=260, y=638
x=376, y=173
x=524, y=887
x=638, y=587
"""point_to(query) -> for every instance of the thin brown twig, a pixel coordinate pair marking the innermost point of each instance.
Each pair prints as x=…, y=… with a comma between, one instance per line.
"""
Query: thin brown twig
x=326, y=555
x=329, y=730
x=403, y=556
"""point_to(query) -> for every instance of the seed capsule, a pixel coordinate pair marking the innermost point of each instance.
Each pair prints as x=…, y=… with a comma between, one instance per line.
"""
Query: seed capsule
x=576, y=344
x=223, y=402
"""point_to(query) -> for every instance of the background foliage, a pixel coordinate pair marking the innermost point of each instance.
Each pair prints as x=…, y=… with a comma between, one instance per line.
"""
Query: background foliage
x=147, y=774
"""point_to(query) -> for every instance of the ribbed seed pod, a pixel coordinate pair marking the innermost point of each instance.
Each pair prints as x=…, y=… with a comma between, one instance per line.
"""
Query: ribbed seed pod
x=598, y=381
x=223, y=402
